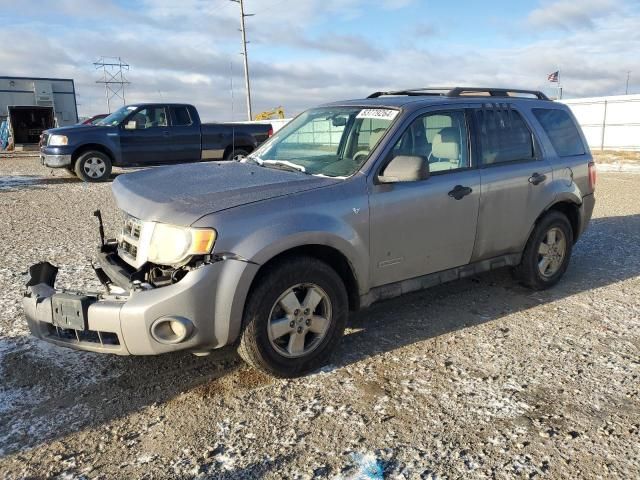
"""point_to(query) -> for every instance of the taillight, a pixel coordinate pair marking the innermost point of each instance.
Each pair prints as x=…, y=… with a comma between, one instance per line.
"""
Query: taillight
x=592, y=176
x=270, y=132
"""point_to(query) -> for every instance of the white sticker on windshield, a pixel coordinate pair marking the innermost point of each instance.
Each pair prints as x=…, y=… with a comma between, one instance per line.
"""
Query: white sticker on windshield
x=381, y=113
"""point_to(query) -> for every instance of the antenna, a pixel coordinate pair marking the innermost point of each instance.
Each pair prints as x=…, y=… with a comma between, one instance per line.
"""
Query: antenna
x=113, y=78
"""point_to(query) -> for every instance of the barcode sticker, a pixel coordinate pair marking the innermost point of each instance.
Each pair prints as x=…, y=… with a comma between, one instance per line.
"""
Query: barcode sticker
x=380, y=113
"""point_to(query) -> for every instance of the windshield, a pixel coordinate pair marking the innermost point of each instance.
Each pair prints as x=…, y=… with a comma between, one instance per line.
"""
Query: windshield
x=116, y=117
x=331, y=141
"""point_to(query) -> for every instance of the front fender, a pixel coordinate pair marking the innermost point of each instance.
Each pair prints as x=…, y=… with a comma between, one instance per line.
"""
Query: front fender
x=266, y=244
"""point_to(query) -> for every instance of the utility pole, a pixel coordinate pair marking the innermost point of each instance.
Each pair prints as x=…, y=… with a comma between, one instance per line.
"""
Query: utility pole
x=244, y=53
x=626, y=90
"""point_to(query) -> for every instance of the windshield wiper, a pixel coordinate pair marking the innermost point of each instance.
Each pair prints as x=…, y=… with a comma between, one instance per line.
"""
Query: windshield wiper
x=250, y=158
x=284, y=165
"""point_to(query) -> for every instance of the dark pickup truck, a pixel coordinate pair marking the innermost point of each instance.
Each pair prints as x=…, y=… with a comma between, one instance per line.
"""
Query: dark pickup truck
x=146, y=134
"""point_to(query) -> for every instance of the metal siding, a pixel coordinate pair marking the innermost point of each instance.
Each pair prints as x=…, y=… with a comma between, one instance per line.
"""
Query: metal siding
x=21, y=93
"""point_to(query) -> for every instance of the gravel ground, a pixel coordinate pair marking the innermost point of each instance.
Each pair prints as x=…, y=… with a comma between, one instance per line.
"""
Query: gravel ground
x=478, y=378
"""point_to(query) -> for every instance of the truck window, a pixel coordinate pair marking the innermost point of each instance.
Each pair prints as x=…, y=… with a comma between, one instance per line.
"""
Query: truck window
x=150, y=117
x=561, y=130
x=181, y=117
x=504, y=136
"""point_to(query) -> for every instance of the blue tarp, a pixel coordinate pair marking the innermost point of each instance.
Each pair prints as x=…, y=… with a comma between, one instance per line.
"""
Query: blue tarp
x=4, y=134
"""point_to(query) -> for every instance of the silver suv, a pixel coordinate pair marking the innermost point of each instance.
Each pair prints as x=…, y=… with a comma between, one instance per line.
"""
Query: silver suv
x=350, y=203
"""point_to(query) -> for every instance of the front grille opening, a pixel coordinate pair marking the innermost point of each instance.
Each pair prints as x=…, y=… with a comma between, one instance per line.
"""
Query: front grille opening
x=88, y=336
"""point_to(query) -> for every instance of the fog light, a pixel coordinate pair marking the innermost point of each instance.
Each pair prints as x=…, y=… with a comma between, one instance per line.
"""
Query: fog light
x=171, y=330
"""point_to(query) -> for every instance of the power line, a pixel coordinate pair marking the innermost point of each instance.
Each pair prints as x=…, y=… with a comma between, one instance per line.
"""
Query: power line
x=244, y=53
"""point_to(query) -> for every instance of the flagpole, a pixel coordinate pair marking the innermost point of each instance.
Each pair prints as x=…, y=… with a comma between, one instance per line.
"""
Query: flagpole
x=559, y=87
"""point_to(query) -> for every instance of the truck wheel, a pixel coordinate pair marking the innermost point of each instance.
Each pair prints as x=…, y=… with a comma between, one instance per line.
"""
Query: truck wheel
x=236, y=154
x=294, y=318
x=546, y=256
x=93, y=166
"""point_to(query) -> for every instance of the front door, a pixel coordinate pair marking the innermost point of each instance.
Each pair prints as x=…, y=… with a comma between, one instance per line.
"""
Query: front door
x=427, y=226
x=150, y=141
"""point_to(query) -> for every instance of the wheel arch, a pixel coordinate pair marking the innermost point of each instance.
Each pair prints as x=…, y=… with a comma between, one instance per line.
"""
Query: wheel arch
x=570, y=209
x=327, y=254
x=88, y=147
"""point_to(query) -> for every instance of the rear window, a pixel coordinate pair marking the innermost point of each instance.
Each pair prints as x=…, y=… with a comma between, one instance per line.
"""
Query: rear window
x=504, y=136
x=181, y=116
x=561, y=130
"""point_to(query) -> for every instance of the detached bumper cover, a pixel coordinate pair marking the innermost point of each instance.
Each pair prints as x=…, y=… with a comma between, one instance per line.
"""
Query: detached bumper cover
x=121, y=324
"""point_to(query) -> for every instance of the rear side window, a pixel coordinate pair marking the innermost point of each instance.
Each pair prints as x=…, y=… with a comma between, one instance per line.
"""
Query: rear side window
x=561, y=130
x=504, y=136
x=181, y=116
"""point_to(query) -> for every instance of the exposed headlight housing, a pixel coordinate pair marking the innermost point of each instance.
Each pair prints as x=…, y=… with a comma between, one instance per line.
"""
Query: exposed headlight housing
x=173, y=245
x=58, y=140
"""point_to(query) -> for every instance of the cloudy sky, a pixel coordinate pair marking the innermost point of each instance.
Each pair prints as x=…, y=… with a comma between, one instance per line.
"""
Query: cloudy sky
x=304, y=52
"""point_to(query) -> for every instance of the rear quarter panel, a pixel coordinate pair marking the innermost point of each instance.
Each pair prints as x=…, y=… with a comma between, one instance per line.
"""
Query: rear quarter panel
x=570, y=174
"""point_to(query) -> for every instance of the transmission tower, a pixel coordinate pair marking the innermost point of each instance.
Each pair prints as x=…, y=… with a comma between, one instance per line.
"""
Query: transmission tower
x=113, y=79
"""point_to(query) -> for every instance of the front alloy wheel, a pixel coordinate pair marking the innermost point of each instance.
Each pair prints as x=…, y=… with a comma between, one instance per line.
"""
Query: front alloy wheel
x=299, y=320
x=93, y=166
x=294, y=317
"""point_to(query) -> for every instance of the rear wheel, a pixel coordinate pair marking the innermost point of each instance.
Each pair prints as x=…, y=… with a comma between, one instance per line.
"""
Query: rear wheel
x=546, y=256
x=294, y=318
x=93, y=166
x=236, y=154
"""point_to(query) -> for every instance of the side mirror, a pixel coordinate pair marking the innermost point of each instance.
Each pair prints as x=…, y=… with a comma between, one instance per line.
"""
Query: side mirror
x=338, y=121
x=130, y=125
x=405, y=168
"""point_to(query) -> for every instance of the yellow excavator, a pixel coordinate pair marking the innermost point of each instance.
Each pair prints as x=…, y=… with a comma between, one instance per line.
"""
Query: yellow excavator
x=277, y=112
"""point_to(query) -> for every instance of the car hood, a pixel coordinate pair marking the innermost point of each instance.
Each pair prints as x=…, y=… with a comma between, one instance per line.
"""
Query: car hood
x=72, y=129
x=182, y=194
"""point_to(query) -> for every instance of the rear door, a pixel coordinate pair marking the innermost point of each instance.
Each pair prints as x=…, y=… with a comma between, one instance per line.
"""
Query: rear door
x=426, y=226
x=150, y=141
x=185, y=135
x=516, y=180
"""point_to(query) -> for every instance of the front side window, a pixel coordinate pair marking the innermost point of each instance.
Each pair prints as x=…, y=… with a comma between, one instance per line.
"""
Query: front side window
x=504, y=136
x=440, y=138
x=150, y=117
x=331, y=141
x=561, y=130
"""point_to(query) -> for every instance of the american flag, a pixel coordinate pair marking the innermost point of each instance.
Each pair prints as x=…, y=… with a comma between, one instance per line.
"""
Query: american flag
x=553, y=77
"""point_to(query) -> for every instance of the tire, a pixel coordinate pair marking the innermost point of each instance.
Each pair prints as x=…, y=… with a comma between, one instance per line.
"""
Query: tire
x=264, y=346
x=93, y=166
x=235, y=154
x=534, y=261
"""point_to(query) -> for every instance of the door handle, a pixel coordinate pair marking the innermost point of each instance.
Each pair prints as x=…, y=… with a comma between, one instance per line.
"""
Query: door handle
x=459, y=192
x=537, y=178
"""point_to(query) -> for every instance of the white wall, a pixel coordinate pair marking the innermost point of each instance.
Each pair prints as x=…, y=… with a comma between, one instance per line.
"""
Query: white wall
x=618, y=116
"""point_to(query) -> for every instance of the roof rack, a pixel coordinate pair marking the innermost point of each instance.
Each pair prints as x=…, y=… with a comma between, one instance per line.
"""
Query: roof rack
x=462, y=92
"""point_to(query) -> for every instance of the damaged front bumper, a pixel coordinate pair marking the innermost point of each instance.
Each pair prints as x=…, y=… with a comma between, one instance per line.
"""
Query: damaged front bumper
x=133, y=318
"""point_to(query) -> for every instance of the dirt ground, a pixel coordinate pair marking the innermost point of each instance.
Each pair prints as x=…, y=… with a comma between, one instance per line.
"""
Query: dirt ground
x=480, y=378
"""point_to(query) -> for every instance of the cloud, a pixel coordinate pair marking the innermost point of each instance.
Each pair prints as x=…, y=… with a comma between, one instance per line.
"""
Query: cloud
x=570, y=14
x=299, y=57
